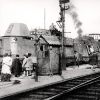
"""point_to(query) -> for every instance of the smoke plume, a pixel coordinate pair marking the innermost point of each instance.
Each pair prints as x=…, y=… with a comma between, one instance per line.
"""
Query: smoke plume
x=74, y=16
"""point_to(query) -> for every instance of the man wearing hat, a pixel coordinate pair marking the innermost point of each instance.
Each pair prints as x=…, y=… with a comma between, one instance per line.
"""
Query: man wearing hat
x=16, y=66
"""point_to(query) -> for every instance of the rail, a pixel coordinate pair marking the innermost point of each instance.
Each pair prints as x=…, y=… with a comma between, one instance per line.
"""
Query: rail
x=53, y=91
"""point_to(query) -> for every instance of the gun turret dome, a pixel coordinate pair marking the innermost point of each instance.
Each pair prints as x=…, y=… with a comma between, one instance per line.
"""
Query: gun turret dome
x=17, y=29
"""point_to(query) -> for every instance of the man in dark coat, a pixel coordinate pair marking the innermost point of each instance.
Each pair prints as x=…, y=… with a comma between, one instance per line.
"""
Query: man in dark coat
x=16, y=66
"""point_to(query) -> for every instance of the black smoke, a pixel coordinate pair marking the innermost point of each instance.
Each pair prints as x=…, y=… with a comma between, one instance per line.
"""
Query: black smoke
x=74, y=16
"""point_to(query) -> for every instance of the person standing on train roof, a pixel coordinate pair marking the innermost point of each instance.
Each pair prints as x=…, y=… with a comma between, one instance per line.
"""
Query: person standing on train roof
x=76, y=55
x=24, y=64
x=6, y=68
x=16, y=66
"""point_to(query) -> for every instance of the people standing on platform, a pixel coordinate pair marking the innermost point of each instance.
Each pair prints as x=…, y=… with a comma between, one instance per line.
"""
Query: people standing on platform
x=16, y=66
x=29, y=65
x=6, y=68
x=76, y=55
x=24, y=64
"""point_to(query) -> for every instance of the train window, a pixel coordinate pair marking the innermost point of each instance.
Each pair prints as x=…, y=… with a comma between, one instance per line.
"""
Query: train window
x=44, y=49
x=88, y=49
x=28, y=38
x=41, y=47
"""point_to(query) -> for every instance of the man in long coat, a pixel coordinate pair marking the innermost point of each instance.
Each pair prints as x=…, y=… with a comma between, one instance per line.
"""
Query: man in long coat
x=6, y=66
x=16, y=66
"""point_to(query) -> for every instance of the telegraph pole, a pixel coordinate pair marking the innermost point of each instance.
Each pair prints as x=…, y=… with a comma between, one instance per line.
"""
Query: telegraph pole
x=62, y=13
x=63, y=28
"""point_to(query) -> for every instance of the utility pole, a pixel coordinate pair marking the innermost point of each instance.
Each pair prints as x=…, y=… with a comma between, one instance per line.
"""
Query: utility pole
x=63, y=28
x=62, y=13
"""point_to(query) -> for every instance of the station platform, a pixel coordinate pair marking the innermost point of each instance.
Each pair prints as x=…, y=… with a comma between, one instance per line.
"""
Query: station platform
x=27, y=83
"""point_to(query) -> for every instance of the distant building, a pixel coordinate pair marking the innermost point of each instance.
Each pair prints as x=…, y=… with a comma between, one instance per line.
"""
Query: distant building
x=40, y=32
x=95, y=36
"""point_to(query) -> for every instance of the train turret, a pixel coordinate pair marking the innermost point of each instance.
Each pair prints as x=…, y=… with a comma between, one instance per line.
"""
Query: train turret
x=17, y=29
x=18, y=40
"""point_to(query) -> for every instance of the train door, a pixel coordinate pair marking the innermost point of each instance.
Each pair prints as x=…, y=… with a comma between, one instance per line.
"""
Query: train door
x=14, y=45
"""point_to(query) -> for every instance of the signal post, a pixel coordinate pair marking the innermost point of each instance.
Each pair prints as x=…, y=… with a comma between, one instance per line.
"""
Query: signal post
x=62, y=20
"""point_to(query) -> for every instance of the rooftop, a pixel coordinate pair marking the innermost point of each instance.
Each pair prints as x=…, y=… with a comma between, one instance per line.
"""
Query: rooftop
x=51, y=40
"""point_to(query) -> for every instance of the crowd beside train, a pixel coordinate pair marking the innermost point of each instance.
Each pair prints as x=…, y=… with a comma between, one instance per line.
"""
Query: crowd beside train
x=11, y=66
x=29, y=66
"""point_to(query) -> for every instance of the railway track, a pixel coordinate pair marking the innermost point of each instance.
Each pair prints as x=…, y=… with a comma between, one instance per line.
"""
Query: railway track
x=90, y=91
x=54, y=91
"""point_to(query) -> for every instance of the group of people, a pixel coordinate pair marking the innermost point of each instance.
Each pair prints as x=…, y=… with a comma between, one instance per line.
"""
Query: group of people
x=15, y=67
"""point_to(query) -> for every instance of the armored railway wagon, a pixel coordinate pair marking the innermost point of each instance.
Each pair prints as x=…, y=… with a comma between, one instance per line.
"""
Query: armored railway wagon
x=46, y=47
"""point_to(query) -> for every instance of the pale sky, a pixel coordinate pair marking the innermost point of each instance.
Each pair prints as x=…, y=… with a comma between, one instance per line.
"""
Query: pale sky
x=31, y=13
